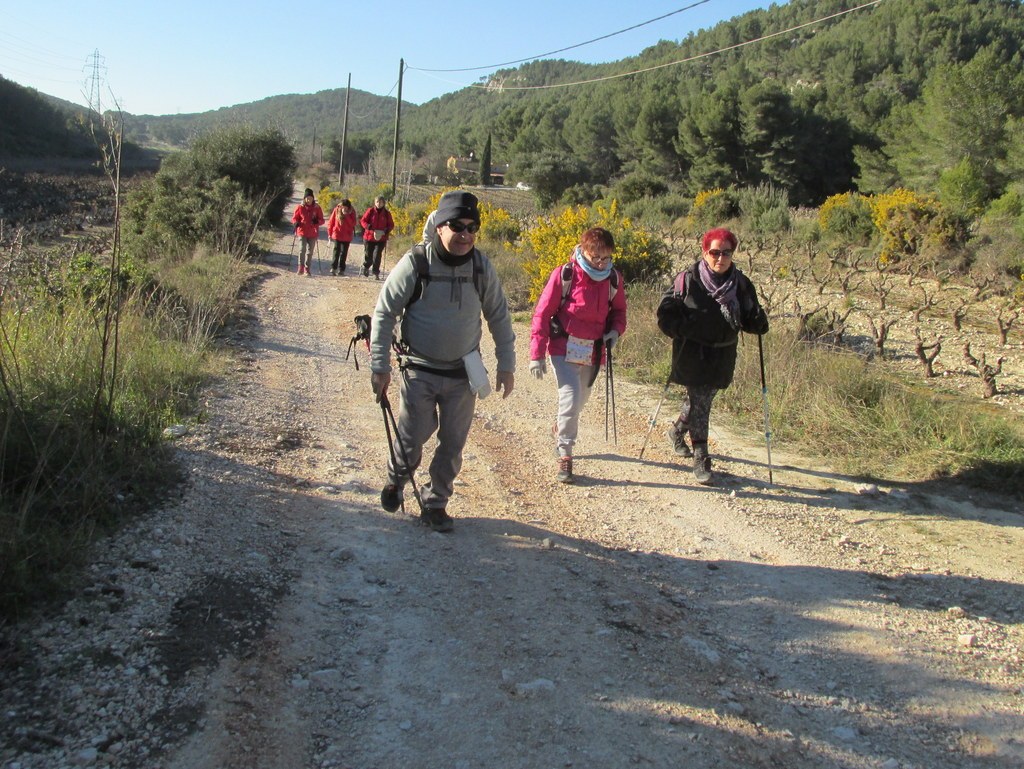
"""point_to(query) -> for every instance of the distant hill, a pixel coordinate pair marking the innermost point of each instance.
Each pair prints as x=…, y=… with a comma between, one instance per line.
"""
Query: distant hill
x=33, y=126
x=297, y=116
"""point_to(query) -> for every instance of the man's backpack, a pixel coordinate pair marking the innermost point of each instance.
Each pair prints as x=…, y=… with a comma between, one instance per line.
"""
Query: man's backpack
x=419, y=258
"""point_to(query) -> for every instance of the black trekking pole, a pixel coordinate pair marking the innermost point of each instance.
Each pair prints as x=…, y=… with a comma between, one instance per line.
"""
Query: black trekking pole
x=609, y=389
x=291, y=251
x=764, y=396
x=385, y=406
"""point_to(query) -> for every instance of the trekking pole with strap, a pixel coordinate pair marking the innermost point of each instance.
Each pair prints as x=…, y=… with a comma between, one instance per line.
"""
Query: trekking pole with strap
x=609, y=390
x=291, y=251
x=391, y=424
x=764, y=397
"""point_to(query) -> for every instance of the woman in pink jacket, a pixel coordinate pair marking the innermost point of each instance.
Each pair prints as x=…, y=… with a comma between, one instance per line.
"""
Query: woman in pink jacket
x=340, y=228
x=580, y=314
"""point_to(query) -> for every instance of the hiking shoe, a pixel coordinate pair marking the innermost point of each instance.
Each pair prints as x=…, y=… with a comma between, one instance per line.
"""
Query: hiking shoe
x=334, y=271
x=437, y=519
x=565, y=470
x=702, y=465
x=366, y=273
x=376, y=276
x=391, y=497
x=677, y=434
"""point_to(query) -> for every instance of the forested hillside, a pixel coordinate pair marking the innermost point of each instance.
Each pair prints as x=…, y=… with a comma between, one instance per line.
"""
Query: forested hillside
x=298, y=117
x=32, y=126
x=899, y=91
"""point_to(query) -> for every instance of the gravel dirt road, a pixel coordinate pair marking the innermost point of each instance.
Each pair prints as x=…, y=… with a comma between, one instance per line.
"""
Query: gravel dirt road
x=273, y=616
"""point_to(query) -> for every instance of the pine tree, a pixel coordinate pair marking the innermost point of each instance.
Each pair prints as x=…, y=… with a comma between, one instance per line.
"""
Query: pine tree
x=485, y=163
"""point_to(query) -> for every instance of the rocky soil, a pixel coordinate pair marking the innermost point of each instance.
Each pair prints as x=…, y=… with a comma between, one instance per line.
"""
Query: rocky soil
x=273, y=616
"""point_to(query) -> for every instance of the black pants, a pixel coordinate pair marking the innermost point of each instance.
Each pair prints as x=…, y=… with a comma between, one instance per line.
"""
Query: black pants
x=372, y=256
x=340, y=255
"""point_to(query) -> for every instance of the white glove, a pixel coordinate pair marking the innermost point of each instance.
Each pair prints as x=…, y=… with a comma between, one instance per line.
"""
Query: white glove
x=538, y=368
x=610, y=339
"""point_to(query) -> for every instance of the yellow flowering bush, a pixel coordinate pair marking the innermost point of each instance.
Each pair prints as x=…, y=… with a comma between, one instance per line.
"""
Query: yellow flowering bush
x=552, y=239
x=847, y=216
x=712, y=208
x=909, y=222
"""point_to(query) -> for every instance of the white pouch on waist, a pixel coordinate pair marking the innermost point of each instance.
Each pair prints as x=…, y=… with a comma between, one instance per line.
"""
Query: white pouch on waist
x=580, y=351
x=477, y=374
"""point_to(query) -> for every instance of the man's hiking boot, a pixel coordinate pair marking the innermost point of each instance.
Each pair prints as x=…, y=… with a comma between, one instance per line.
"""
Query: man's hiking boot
x=701, y=464
x=677, y=434
x=391, y=497
x=565, y=470
x=437, y=519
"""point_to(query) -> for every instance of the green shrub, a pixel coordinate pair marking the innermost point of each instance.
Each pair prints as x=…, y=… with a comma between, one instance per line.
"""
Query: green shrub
x=712, y=208
x=847, y=218
x=765, y=209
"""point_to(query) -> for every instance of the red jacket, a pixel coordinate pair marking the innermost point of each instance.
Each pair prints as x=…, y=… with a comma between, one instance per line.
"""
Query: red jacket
x=341, y=226
x=376, y=219
x=307, y=220
x=586, y=313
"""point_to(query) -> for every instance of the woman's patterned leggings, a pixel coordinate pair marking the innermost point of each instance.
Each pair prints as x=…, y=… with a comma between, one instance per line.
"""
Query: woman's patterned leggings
x=695, y=414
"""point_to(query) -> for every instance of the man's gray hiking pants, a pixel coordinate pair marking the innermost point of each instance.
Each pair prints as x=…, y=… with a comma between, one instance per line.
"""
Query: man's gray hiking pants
x=430, y=403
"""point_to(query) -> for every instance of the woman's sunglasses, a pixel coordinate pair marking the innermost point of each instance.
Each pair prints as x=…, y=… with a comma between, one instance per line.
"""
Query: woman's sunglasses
x=456, y=226
x=720, y=252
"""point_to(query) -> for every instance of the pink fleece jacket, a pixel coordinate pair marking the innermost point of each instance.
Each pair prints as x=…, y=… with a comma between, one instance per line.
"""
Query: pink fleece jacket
x=585, y=314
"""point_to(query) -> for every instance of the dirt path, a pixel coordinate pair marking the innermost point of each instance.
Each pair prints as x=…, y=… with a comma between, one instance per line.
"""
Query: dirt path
x=275, y=617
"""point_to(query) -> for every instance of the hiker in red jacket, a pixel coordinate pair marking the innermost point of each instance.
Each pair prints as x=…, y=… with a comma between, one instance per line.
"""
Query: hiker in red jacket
x=377, y=225
x=307, y=220
x=340, y=228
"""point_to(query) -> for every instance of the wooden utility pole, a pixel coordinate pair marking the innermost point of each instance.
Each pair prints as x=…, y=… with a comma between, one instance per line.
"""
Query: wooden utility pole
x=312, y=150
x=344, y=134
x=398, y=122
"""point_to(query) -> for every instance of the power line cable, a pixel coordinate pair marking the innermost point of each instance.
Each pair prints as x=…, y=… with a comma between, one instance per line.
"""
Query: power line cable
x=704, y=55
x=378, y=108
x=567, y=48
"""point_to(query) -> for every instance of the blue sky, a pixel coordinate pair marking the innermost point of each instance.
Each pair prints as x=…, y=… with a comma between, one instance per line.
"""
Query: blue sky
x=187, y=56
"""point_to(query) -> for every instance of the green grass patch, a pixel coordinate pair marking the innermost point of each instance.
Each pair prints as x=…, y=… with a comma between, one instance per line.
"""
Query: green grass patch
x=81, y=445
x=861, y=418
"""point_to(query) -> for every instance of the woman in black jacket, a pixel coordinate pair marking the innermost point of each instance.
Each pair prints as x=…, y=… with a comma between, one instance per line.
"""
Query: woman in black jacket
x=708, y=305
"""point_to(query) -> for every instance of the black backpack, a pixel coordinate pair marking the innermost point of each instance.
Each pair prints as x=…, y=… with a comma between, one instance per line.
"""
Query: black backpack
x=419, y=258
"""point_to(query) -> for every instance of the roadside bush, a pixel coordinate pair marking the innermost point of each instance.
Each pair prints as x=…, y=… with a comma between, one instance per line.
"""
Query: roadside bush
x=216, y=194
x=260, y=160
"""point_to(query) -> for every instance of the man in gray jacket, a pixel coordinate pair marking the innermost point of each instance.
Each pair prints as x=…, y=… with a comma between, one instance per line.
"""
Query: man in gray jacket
x=438, y=316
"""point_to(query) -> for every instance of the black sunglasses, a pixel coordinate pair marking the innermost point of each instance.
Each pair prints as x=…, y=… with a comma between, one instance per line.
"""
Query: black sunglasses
x=720, y=252
x=456, y=226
